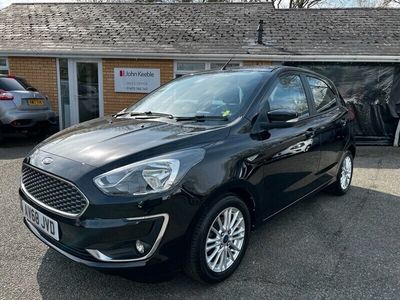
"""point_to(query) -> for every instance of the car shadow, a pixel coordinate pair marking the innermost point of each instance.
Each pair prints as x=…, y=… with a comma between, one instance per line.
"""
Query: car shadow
x=61, y=278
x=367, y=154
x=321, y=244
x=16, y=146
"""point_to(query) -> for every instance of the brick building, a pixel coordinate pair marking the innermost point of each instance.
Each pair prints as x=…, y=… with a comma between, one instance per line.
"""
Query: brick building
x=73, y=52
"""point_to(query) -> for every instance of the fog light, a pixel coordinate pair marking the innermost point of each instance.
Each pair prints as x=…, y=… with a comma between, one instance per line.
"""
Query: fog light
x=140, y=246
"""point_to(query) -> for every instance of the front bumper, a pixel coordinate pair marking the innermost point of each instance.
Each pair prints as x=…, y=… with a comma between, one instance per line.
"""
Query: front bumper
x=108, y=243
x=111, y=225
x=79, y=258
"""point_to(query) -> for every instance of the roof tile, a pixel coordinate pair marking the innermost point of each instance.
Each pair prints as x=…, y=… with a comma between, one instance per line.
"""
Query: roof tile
x=228, y=28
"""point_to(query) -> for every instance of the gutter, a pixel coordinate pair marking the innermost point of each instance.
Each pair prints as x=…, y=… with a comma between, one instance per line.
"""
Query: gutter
x=188, y=56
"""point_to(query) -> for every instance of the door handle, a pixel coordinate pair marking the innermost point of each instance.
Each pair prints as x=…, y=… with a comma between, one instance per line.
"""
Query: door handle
x=343, y=122
x=310, y=132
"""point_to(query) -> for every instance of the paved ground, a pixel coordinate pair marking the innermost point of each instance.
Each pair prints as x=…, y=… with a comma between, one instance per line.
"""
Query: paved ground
x=325, y=247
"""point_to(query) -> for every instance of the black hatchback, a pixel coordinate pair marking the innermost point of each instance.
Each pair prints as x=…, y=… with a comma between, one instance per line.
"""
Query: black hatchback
x=181, y=177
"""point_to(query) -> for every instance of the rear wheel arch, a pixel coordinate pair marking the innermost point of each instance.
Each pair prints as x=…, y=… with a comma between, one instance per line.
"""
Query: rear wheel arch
x=352, y=150
x=336, y=188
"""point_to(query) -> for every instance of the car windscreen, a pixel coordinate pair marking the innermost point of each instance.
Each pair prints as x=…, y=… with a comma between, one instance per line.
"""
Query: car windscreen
x=223, y=94
x=10, y=84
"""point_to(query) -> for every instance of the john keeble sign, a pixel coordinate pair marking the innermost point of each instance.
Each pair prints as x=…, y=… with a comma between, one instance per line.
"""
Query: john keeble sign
x=134, y=80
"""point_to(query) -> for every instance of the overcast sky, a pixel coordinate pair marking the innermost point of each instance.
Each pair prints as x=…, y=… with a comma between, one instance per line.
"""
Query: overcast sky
x=4, y=3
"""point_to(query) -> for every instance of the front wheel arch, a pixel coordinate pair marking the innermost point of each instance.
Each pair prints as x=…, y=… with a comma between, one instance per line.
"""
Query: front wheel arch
x=238, y=189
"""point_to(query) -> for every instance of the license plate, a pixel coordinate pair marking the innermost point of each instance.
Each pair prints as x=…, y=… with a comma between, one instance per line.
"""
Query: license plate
x=35, y=102
x=40, y=221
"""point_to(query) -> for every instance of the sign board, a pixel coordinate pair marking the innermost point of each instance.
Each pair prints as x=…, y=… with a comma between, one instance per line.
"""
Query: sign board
x=128, y=80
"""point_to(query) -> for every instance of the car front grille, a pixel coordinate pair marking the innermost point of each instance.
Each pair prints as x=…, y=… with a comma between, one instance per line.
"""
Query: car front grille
x=52, y=192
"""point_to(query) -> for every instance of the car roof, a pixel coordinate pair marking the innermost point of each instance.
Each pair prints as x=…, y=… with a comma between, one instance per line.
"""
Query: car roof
x=10, y=76
x=273, y=69
x=260, y=68
x=266, y=69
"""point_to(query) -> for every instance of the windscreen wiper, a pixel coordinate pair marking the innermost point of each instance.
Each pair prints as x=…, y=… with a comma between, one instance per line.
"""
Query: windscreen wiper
x=151, y=114
x=120, y=114
x=202, y=118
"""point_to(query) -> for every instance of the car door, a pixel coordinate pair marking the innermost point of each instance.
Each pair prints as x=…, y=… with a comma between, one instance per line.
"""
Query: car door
x=333, y=127
x=292, y=152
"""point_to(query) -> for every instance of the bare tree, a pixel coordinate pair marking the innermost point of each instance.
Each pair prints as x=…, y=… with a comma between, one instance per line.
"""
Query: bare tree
x=297, y=3
x=300, y=4
x=378, y=3
x=333, y=3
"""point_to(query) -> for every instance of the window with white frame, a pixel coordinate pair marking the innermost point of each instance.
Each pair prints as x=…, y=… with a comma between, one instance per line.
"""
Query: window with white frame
x=3, y=65
x=188, y=67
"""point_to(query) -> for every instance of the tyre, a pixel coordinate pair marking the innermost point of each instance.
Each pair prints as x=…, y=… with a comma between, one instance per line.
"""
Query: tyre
x=219, y=240
x=1, y=136
x=38, y=134
x=344, y=176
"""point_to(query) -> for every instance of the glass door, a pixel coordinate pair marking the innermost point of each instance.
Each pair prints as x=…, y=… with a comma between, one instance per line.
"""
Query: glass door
x=81, y=94
x=64, y=103
x=87, y=90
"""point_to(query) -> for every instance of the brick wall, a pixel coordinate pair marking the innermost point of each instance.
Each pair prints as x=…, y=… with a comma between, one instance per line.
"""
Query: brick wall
x=114, y=102
x=41, y=73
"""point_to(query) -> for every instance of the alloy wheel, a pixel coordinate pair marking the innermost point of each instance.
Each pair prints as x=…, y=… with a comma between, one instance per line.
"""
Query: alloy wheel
x=225, y=239
x=346, y=172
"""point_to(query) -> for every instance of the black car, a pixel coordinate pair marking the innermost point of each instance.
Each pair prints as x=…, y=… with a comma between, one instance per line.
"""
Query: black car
x=181, y=177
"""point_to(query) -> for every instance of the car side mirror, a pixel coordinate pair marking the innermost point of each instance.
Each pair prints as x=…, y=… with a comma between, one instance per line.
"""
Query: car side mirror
x=282, y=116
x=279, y=118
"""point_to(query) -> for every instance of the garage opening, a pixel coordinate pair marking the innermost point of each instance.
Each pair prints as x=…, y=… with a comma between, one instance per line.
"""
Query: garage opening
x=372, y=90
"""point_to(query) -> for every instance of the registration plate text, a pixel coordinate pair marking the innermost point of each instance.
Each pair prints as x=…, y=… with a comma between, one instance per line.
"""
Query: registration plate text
x=35, y=102
x=40, y=221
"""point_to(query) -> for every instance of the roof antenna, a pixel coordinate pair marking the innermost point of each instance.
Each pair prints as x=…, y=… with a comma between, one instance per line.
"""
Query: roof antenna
x=260, y=30
x=227, y=63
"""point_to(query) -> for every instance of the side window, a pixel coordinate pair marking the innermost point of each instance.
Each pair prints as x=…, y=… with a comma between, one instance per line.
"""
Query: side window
x=324, y=97
x=289, y=93
x=3, y=65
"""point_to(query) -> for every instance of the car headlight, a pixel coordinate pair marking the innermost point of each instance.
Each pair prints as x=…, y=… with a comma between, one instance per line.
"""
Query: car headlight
x=153, y=175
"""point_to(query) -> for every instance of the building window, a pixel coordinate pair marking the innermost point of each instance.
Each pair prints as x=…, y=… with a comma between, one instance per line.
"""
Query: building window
x=219, y=65
x=188, y=67
x=3, y=65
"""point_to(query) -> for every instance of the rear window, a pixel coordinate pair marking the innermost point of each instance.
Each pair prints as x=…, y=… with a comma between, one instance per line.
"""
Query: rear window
x=10, y=84
x=324, y=97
